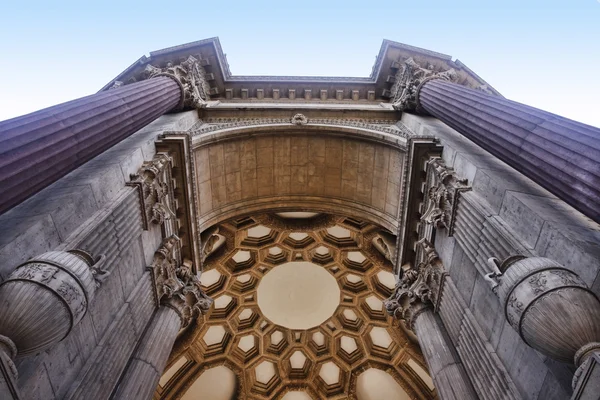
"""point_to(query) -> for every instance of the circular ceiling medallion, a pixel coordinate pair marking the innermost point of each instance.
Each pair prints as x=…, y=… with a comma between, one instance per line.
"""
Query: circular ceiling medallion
x=298, y=295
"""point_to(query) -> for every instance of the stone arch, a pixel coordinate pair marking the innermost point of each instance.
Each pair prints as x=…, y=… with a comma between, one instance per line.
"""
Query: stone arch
x=315, y=167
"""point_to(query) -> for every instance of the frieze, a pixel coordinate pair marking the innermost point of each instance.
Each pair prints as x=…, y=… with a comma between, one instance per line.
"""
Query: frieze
x=385, y=126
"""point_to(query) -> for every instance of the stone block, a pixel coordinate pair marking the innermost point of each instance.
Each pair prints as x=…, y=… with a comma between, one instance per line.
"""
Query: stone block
x=463, y=274
x=576, y=248
x=106, y=182
x=445, y=247
x=487, y=310
x=109, y=299
x=518, y=215
x=151, y=240
x=552, y=390
x=63, y=363
x=38, y=386
x=23, y=238
x=131, y=266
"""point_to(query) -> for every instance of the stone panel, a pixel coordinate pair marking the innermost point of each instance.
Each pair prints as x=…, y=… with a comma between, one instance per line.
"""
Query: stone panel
x=275, y=169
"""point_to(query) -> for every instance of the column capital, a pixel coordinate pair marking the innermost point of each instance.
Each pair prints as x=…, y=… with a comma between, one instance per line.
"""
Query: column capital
x=443, y=190
x=418, y=289
x=408, y=82
x=176, y=286
x=190, y=77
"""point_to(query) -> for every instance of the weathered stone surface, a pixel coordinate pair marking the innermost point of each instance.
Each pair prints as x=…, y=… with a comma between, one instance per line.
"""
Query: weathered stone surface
x=442, y=359
x=541, y=145
x=55, y=146
x=145, y=368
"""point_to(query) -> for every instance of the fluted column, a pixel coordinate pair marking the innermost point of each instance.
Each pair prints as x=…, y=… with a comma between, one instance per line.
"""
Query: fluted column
x=444, y=364
x=560, y=154
x=181, y=299
x=414, y=300
x=149, y=360
x=38, y=148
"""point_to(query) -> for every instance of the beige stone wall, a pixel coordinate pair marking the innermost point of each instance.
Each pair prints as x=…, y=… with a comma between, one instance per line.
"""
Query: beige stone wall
x=320, y=172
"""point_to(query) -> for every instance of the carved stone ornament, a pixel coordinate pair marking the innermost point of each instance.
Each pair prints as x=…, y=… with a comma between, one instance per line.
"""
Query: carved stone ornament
x=299, y=119
x=45, y=297
x=190, y=77
x=154, y=182
x=409, y=80
x=176, y=286
x=549, y=306
x=418, y=289
x=385, y=126
x=442, y=195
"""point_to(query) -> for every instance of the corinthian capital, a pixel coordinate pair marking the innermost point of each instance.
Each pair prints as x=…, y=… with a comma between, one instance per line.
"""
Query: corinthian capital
x=418, y=289
x=176, y=286
x=190, y=77
x=409, y=80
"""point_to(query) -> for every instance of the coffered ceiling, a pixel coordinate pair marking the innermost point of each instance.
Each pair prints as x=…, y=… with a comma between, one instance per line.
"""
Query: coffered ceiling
x=298, y=314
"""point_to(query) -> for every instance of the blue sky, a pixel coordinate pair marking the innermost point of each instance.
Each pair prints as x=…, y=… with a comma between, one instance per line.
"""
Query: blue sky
x=542, y=53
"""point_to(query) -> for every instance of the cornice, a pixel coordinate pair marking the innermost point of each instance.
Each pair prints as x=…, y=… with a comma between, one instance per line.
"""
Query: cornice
x=373, y=88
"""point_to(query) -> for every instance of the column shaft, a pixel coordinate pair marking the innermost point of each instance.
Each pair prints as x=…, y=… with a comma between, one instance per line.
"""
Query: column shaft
x=148, y=362
x=559, y=154
x=448, y=373
x=38, y=148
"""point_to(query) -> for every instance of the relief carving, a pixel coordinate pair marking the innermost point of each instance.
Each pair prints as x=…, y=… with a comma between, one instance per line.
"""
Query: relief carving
x=409, y=80
x=418, y=289
x=442, y=195
x=176, y=286
x=154, y=183
x=191, y=78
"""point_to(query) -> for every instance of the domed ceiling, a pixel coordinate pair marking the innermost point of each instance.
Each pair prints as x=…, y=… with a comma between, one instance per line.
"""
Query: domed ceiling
x=297, y=314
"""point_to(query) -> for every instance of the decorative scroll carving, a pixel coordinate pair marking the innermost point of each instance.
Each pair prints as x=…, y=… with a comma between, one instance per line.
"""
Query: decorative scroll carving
x=442, y=195
x=418, y=288
x=409, y=80
x=154, y=182
x=190, y=77
x=176, y=286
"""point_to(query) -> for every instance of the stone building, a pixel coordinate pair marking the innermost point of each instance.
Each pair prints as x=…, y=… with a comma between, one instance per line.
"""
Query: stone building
x=186, y=233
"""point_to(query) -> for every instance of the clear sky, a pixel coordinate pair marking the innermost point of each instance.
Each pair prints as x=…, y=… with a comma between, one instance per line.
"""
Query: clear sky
x=542, y=53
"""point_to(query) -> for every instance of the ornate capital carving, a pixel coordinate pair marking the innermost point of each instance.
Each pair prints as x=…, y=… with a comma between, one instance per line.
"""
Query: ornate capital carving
x=442, y=195
x=154, y=182
x=176, y=286
x=190, y=77
x=418, y=289
x=410, y=78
